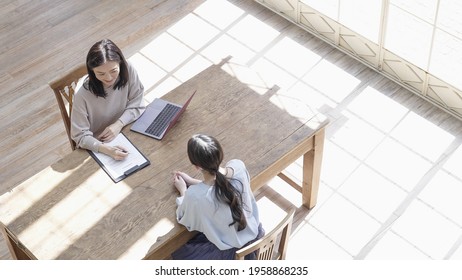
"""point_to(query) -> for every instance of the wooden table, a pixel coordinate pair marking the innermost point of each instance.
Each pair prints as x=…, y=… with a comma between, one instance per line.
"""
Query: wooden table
x=73, y=210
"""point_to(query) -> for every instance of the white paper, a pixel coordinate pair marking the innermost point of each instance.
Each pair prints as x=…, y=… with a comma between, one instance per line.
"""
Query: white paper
x=117, y=168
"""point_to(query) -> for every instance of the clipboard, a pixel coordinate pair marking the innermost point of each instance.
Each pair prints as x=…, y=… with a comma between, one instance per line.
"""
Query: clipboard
x=121, y=169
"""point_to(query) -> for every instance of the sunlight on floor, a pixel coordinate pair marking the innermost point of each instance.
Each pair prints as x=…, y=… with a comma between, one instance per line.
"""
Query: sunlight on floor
x=427, y=229
x=309, y=243
x=420, y=135
x=377, y=109
x=341, y=220
x=332, y=81
x=167, y=44
x=390, y=244
x=379, y=198
x=346, y=136
x=244, y=31
x=194, y=40
x=208, y=11
x=454, y=163
x=292, y=57
x=443, y=194
x=148, y=72
x=393, y=160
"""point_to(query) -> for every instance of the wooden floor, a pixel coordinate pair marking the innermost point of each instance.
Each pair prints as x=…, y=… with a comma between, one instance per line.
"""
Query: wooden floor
x=40, y=40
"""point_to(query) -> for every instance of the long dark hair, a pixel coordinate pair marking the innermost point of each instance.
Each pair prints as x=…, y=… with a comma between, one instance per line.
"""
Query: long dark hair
x=100, y=53
x=206, y=152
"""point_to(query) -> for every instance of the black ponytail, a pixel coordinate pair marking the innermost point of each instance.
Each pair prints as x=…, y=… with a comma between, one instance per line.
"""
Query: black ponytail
x=226, y=193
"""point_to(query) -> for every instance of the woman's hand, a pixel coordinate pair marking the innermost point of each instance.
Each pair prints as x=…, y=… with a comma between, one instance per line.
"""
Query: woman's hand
x=188, y=179
x=116, y=152
x=110, y=132
x=179, y=183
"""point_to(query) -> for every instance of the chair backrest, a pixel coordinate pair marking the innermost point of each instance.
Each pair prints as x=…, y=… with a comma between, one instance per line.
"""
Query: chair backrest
x=265, y=247
x=64, y=89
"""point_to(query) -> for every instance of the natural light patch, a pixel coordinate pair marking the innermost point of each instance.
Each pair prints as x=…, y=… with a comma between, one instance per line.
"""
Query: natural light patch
x=420, y=135
x=377, y=109
x=247, y=76
x=138, y=250
x=70, y=218
x=225, y=46
x=292, y=57
x=443, y=193
x=193, y=31
x=345, y=224
x=163, y=88
x=219, y=13
x=434, y=234
x=299, y=110
x=192, y=68
x=307, y=243
x=373, y=193
x=167, y=52
x=337, y=165
x=324, y=193
x=148, y=72
x=331, y=81
x=398, y=163
x=308, y=95
x=393, y=247
x=273, y=74
x=346, y=136
x=253, y=33
x=316, y=121
x=454, y=163
x=270, y=213
x=33, y=191
x=293, y=107
x=30, y=193
x=457, y=255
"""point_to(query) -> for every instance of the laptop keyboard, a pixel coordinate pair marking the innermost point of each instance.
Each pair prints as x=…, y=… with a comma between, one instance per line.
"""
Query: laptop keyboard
x=160, y=123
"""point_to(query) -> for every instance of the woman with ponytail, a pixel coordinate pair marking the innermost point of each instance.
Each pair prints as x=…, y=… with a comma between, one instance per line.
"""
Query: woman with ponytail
x=221, y=206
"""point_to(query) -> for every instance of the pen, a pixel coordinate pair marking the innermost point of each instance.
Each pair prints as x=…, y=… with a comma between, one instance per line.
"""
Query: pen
x=122, y=150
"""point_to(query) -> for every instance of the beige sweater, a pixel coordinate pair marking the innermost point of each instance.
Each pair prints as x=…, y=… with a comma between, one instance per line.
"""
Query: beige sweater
x=91, y=114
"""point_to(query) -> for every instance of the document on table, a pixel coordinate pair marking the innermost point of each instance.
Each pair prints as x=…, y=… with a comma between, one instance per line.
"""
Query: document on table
x=120, y=169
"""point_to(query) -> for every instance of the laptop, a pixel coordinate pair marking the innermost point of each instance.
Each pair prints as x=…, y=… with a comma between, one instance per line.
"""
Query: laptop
x=160, y=115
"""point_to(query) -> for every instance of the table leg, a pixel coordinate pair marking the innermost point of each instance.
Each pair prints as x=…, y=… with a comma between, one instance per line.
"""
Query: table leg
x=312, y=170
x=15, y=250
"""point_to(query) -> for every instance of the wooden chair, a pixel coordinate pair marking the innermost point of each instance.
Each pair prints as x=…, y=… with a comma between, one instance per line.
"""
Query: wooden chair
x=265, y=246
x=64, y=89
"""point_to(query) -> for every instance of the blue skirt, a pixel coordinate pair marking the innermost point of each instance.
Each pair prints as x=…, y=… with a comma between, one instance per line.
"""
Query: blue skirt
x=200, y=248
